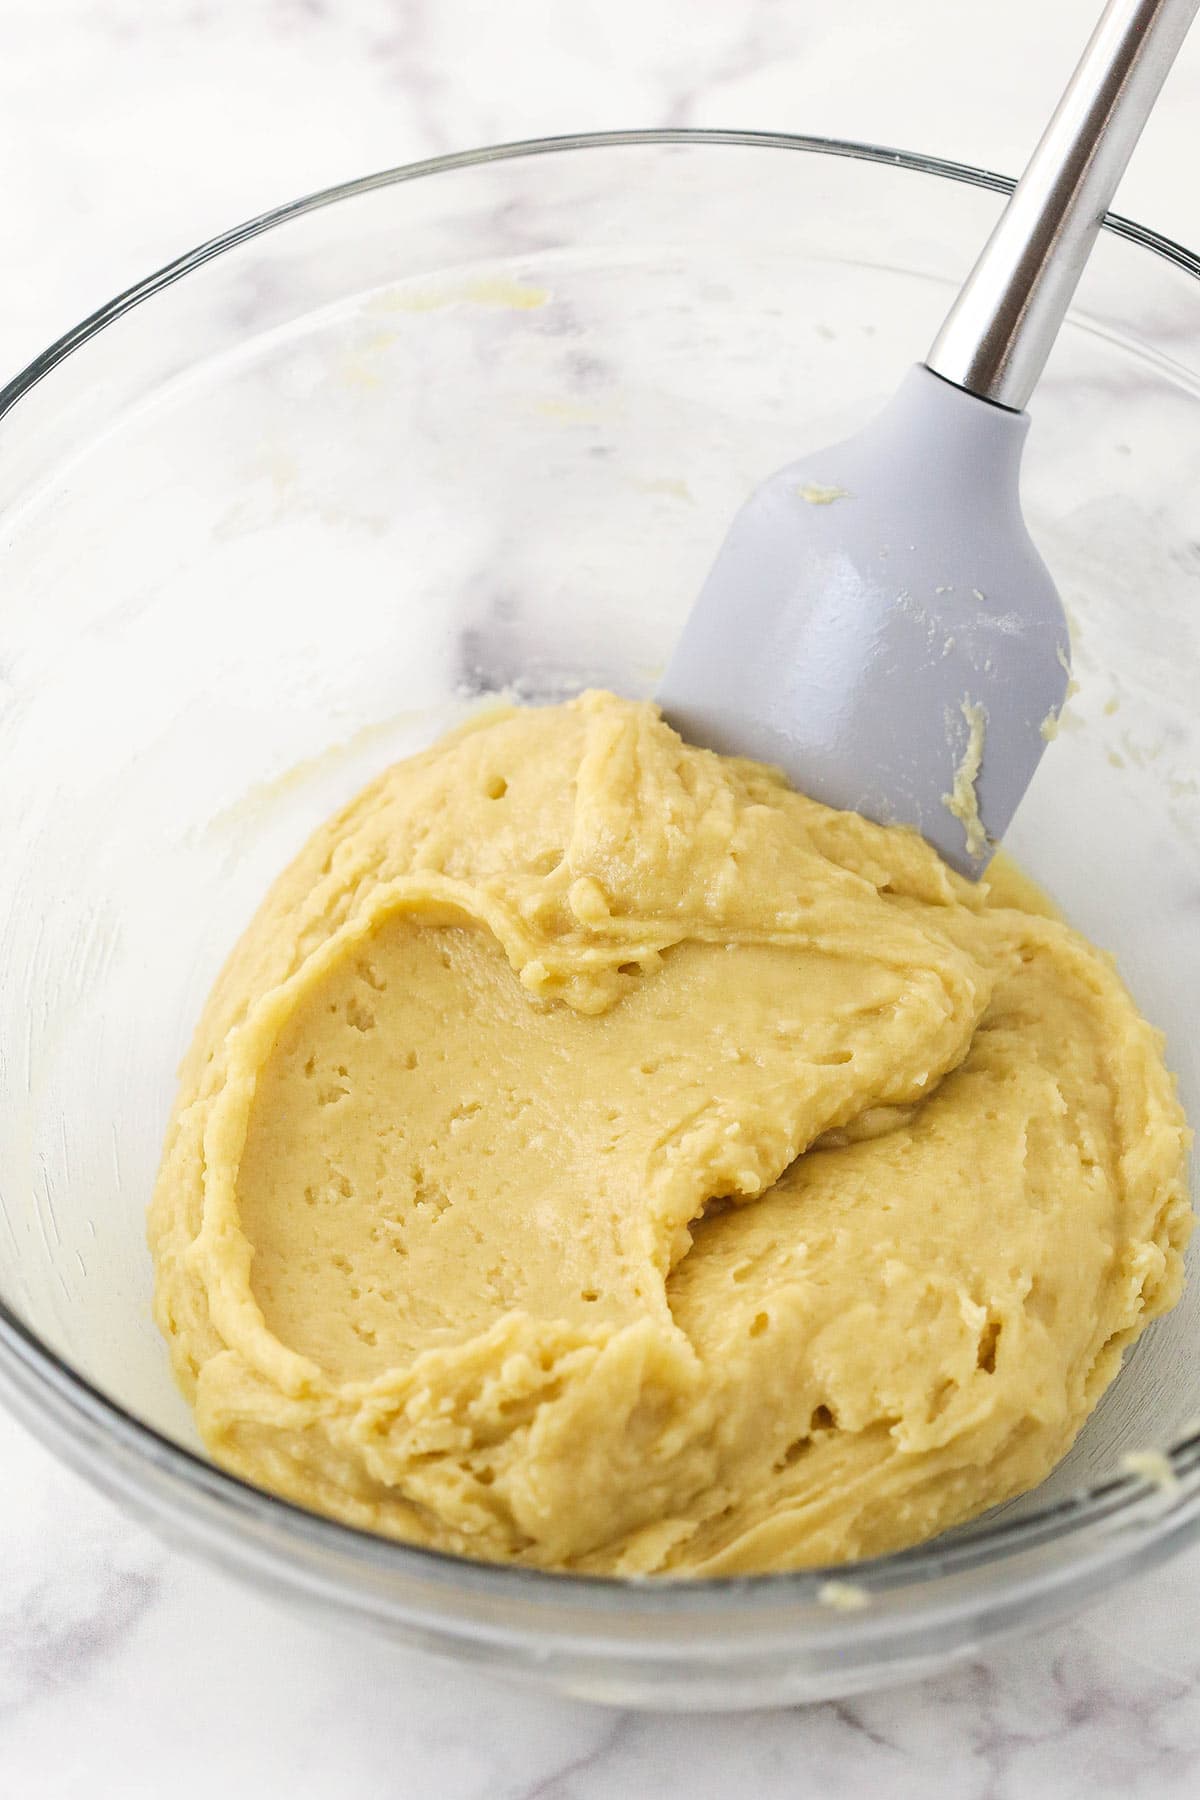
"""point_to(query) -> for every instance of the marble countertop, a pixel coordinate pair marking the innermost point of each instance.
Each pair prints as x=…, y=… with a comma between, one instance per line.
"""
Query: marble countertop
x=129, y=131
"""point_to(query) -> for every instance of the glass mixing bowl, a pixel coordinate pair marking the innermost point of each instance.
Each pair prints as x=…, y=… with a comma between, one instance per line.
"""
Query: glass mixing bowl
x=288, y=509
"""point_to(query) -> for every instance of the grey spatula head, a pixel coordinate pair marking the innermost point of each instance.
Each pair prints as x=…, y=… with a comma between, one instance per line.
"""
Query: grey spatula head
x=880, y=625
x=878, y=622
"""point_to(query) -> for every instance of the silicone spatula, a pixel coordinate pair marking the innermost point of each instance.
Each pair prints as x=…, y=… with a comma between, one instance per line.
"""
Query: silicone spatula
x=878, y=621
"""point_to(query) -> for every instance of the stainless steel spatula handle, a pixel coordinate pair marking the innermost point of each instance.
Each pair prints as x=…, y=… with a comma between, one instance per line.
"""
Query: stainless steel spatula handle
x=1000, y=330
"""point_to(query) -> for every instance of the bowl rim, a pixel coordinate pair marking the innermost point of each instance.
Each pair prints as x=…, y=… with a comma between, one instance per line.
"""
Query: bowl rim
x=1167, y=1510
x=1117, y=224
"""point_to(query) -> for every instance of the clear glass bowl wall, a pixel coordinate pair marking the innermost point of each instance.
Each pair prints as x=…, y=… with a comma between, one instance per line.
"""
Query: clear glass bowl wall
x=289, y=510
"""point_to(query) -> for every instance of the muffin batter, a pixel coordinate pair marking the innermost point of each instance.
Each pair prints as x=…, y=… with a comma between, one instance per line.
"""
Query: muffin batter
x=598, y=1155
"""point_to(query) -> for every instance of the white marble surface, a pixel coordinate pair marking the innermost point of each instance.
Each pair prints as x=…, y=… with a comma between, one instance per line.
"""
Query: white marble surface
x=130, y=129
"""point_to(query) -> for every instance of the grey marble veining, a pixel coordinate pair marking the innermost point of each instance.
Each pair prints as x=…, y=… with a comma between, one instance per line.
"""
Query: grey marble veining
x=131, y=131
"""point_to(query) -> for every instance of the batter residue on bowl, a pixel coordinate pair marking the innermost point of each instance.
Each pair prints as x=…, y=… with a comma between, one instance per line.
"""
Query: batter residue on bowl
x=598, y=1155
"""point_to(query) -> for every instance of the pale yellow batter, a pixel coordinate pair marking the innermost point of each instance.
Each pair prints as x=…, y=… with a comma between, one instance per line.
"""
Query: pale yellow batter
x=598, y=1155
